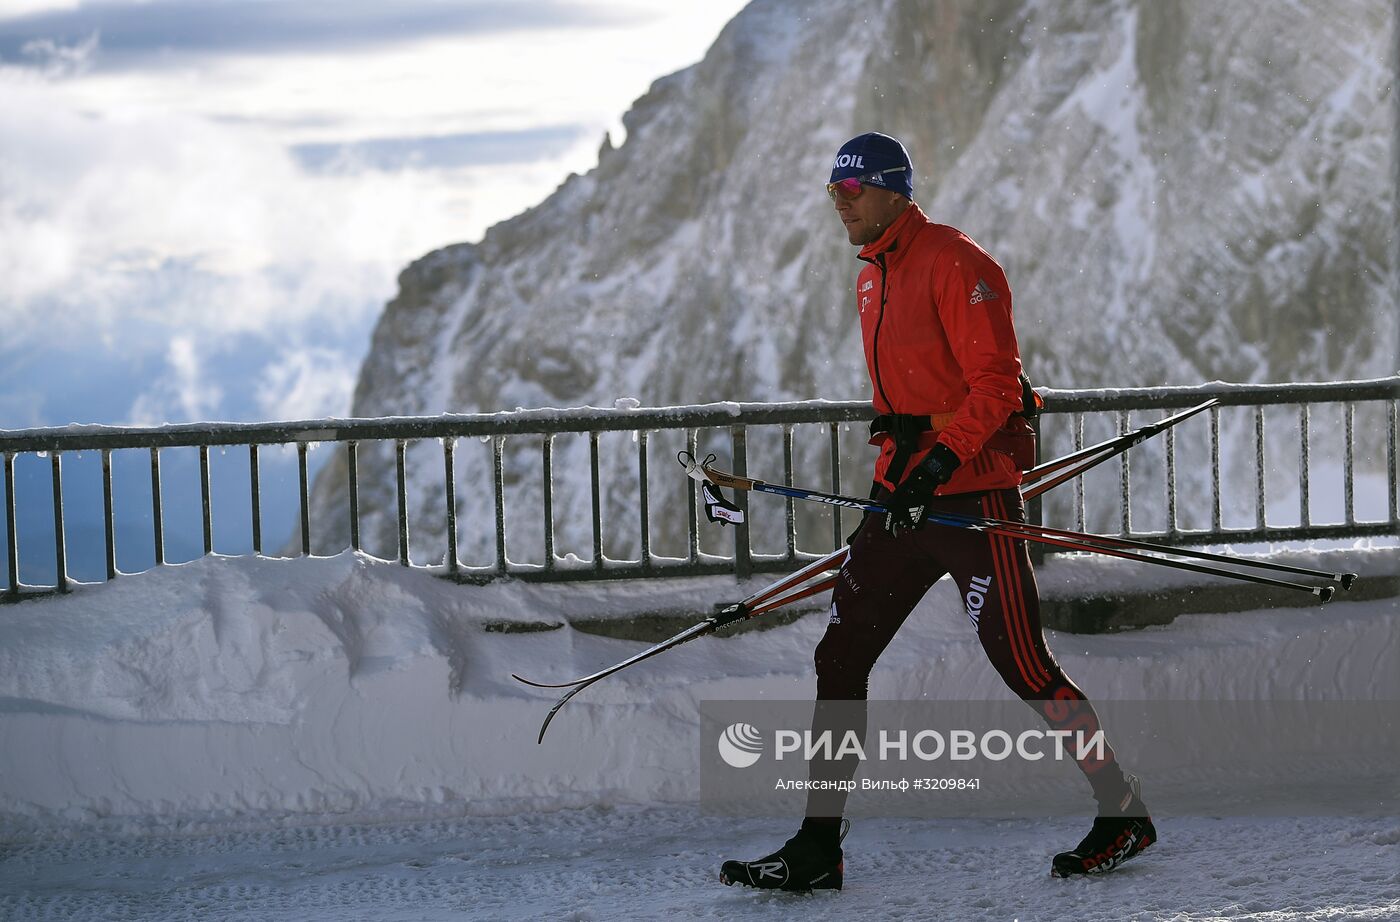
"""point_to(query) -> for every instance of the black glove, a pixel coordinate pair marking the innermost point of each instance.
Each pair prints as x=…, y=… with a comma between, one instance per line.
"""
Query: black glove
x=914, y=494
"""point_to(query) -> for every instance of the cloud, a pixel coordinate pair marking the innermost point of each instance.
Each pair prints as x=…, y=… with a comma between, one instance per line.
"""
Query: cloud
x=308, y=383
x=245, y=219
x=54, y=60
x=91, y=208
x=101, y=213
x=479, y=148
x=16, y=9
x=184, y=394
x=174, y=245
x=145, y=34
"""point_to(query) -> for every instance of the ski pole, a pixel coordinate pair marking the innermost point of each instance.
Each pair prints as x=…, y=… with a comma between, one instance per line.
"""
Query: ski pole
x=1116, y=445
x=1345, y=580
x=1081, y=541
x=796, y=595
x=840, y=556
x=742, y=607
x=1085, y=540
x=690, y=633
x=757, y=598
x=747, y=608
x=1072, y=465
x=993, y=527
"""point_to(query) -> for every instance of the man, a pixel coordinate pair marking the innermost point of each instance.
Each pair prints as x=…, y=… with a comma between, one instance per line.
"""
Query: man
x=935, y=316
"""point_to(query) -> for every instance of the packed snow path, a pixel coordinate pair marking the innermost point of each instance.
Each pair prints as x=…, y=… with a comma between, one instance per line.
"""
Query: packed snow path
x=662, y=862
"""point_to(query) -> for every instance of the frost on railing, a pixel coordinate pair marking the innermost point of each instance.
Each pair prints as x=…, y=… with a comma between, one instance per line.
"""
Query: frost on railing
x=592, y=493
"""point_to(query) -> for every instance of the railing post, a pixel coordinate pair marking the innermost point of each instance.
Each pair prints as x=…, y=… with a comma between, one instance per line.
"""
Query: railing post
x=837, y=532
x=304, y=488
x=1304, y=510
x=547, y=455
x=401, y=470
x=1171, y=481
x=205, y=503
x=597, y=503
x=1349, y=464
x=109, y=521
x=60, y=552
x=743, y=557
x=790, y=516
x=11, y=533
x=1125, y=478
x=449, y=473
x=352, y=461
x=692, y=512
x=1390, y=453
x=255, y=497
x=157, y=523
x=1216, y=516
x=498, y=479
x=1079, y=481
x=644, y=497
x=1260, y=492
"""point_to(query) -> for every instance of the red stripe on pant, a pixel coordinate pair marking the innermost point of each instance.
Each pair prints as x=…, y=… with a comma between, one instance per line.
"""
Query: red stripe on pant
x=1014, y=642
x=1025, y=639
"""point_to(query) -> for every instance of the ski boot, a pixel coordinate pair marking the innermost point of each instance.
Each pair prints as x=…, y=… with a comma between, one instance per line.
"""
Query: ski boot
x=1121, y=834
x=804, y=863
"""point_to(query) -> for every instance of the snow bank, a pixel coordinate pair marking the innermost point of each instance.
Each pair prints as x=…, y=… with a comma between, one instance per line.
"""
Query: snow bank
x=235, y=686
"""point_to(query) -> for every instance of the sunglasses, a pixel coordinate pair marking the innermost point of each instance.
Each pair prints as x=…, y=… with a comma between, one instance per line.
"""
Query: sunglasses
x=852, y=186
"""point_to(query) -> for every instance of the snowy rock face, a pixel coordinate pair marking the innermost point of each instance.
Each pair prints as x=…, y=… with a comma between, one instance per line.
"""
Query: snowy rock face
x=1179, y=192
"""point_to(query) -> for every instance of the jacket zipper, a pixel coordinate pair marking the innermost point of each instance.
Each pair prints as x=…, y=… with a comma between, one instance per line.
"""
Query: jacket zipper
x=879, y=321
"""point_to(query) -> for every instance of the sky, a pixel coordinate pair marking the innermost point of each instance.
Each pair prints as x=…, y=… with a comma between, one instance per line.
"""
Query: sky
x=204, y=204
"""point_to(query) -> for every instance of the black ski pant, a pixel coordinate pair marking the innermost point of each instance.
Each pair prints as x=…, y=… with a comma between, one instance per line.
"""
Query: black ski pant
x=882, y=580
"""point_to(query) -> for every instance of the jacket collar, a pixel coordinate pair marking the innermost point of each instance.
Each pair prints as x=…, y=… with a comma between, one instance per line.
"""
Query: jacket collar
x=897, y=236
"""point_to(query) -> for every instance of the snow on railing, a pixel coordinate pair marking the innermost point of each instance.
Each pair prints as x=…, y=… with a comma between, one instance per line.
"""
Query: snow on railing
x=1229, y=444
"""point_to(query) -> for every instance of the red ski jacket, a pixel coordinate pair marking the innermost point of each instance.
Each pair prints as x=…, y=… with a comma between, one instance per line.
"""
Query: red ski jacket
x=935, y=315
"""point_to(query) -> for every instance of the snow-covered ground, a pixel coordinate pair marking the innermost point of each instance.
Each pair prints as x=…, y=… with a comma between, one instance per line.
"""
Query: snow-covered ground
x=339, y=738
x=662, y=862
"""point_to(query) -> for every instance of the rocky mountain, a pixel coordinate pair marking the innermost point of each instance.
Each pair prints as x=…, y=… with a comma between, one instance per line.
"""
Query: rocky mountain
x=1179, y=191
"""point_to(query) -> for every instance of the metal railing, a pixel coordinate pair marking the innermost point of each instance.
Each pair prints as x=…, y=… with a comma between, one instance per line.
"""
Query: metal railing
x=1156, y=483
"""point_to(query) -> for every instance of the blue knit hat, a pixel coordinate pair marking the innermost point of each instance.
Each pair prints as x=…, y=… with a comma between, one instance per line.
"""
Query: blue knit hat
x=868, y=154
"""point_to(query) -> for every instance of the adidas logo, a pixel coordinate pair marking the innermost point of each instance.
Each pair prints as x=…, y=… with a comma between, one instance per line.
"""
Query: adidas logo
x=983, y=292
